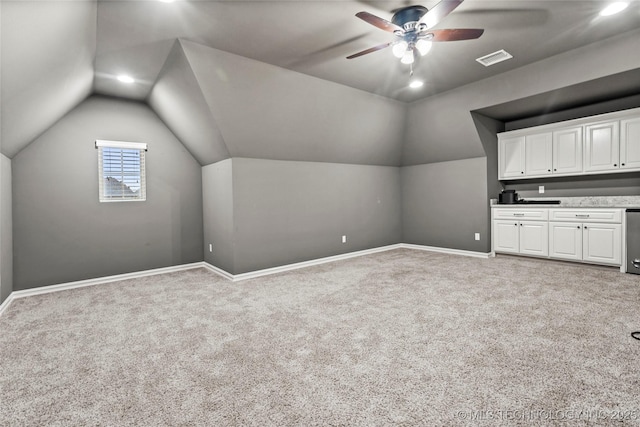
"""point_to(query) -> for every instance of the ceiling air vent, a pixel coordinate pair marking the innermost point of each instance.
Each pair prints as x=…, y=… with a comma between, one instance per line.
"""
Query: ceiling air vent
x=494, y=58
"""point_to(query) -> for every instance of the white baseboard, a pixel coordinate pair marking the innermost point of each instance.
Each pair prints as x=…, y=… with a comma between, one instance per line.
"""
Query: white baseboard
x=218, y=271
x=97, y=281
x=446, y=250
x=233, y=277
x=6, y=303
x=297, y=265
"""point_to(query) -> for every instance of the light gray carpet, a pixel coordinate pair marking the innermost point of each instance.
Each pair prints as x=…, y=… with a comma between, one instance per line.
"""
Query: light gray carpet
x=396, y=338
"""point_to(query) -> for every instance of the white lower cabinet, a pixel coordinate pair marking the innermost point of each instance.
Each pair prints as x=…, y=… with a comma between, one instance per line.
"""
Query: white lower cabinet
x=582, y=235
x=521, y=237
x=565, y=240
x=602, y=243
x=521, y=231
x=594, y=243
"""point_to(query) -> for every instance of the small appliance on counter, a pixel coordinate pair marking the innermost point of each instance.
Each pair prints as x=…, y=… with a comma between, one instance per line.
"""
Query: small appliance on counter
x=508, y=197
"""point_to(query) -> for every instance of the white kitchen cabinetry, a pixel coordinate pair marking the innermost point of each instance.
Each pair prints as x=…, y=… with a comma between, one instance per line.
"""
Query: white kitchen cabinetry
x=538, y=154
x=582, y=235
x=593, y=236
x=602, y=243
x=565, y=240
x=567, y=151
x=608, y=143
x=630, y=143
x=522, y=232
x=512, y=157
x=602, y=146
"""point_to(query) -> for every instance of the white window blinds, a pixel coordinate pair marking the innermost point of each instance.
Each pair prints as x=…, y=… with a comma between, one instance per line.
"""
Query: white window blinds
x=121, y=170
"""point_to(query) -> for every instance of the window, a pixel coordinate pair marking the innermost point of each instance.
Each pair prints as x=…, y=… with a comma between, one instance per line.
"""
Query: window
x=121, y=170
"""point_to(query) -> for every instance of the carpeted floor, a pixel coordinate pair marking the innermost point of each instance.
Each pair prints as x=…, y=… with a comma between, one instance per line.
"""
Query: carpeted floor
x=396, y=338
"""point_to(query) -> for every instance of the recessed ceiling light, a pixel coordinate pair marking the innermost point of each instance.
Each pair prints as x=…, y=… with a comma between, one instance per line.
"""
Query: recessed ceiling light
x=167, y=1
x=415, y=84
x=614, y=8
x=125, y=79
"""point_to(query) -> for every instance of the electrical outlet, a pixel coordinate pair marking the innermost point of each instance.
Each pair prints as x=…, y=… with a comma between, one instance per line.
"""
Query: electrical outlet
x=477, y=236
x=344, y=239
x=210, y=247
x=541, y=189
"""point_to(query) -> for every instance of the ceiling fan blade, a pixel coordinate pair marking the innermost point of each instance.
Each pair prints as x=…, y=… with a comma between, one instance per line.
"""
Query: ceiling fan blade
x=383, y=24
x=450, y=35
x=438, y=12
x=371, y=49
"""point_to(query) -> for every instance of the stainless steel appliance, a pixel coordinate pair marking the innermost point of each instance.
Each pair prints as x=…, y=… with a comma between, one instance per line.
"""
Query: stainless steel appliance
x=633, y=241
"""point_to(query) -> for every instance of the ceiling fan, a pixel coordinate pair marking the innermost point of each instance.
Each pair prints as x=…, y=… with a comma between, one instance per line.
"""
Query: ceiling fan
x=412, y=25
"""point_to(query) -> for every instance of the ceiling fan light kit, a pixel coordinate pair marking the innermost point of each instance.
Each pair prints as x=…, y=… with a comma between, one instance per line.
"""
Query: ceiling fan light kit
x=408, y=57
x=399, y=48
x=413, y=26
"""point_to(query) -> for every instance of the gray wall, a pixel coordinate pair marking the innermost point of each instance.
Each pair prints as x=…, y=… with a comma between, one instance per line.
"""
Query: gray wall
x=627, y=184
x=444, y=204
x=290, y=211
x=217, y=202
x=62, y=233
x=488, y=130
x=6, y=239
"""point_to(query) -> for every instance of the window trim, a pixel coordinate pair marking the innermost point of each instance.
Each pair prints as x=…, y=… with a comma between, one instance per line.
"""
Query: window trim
x=142, y=146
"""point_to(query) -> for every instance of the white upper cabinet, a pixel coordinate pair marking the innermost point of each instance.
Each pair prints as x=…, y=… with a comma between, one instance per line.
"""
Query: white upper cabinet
x=608, y=143
x=538, y=154
x=602, y=146
x=511, y=157
x=567, y=150
x=630, y=143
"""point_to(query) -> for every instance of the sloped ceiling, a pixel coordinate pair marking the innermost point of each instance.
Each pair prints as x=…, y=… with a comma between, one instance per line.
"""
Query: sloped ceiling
x=47, y=65
x=177, y=98
x=271, y=113
x=267, y=78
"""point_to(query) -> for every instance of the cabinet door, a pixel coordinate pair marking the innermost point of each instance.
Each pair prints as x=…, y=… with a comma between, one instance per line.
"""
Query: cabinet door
x=602, y=146
x=630, y=143
x=538, y=154
x=534, y=238
x=565, y=240
x=567, y=150
x=511, y=159
x=602, y=243
x=506, y=236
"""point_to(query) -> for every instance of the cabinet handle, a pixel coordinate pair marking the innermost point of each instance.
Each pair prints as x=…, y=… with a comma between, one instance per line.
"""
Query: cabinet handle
x=615, y=164
x=521, y=172
x=516, y=224
x=549, y=170
x=555, y=170
x=621, y=164
x=578, y=227
x=585, y=227
x=582, y=215
x=518, y=214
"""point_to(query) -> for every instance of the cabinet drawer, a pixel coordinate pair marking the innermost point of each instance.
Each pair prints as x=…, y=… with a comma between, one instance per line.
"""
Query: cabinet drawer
x=530, y=214
x=586, y=215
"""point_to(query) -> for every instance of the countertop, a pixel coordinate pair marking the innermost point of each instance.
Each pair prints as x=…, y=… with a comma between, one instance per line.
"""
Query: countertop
x=577, y=202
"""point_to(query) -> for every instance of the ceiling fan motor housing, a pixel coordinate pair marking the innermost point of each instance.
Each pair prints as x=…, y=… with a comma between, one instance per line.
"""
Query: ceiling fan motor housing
x=410, y=14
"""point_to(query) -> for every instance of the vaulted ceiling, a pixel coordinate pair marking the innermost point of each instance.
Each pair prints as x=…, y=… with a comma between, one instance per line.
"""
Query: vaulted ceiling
x=204, y=65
